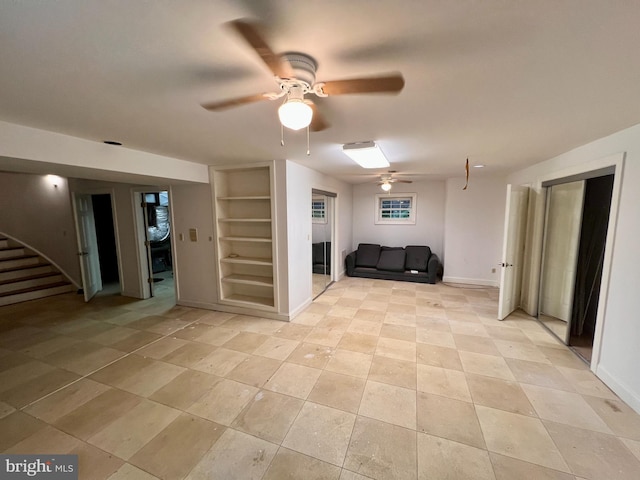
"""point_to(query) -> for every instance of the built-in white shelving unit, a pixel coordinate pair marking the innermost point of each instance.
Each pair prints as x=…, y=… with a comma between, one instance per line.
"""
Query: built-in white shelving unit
x=244, y=218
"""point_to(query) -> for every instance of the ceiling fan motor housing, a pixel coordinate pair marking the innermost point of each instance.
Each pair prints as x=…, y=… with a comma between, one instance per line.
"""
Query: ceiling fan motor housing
x=303, y=66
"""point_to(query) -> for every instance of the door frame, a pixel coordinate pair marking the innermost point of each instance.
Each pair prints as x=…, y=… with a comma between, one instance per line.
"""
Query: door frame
x=616, y=161
x=332, y=202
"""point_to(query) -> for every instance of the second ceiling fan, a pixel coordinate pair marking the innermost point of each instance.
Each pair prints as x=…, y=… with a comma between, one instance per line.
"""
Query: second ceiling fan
x=295, y=74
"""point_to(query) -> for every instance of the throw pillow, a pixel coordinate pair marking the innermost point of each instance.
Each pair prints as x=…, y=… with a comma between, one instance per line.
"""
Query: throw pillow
x=367, y=255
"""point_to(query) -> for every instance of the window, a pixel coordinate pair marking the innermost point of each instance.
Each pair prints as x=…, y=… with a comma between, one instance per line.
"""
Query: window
x=395, y=209
x=318, y=213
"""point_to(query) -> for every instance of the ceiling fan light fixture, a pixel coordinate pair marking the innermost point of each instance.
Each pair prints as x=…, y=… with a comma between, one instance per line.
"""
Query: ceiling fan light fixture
x=295, y=114
x=386, y=186
x=366, y=154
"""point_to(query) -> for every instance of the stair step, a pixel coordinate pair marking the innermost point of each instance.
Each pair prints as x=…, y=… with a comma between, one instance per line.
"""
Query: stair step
x=12, y=252
x=35, y=293
x=23, y=261
x=13, y=285
x=26, y=271
x=4, y=242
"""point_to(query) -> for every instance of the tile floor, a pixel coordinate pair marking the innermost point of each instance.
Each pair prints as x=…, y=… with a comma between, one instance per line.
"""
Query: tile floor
x=375, y=379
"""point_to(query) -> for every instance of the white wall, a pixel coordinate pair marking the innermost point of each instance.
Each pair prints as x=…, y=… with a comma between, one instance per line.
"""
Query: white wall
x=474, y=224
x=299, y=183
x=39, y=215
x=429, y=226
x=620, y=341
x=195, y=266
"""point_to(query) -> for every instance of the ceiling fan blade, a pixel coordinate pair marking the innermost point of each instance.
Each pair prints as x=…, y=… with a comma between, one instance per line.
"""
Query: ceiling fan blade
x=249, y=32
x=318, y=122
x=386, y=84
x=404, y=181
x=234, y=102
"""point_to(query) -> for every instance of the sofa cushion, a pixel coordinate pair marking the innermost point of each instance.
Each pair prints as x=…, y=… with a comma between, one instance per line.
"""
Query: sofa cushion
x=317, y=253
x=367, y=255
x=417, y=257
x=391, y=260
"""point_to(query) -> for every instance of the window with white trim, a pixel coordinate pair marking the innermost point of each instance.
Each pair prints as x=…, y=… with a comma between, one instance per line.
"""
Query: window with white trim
x=395, y=209
x=318, y=210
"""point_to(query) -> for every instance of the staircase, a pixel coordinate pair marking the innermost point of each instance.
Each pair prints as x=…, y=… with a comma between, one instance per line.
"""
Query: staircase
x=24, y=275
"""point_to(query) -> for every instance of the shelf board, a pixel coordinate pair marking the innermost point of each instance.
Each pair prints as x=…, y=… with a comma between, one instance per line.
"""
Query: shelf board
x=246, y=239
x=249, y=280
x=248, y=260
x=245, y=220
x=250, y=300
x=247, y=197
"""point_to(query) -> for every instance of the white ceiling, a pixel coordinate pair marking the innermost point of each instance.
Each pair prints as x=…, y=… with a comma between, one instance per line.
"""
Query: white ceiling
x=507, y=83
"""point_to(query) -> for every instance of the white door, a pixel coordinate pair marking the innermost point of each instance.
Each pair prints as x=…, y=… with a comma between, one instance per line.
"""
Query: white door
x=87, y=246
x=515, y=227
x=560, y=255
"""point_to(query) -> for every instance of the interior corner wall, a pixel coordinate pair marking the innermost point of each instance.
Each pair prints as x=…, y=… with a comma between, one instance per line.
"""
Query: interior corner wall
x=619, y=352
x=428, y=229
x=300, y=180
x=194, y=261
x=473, y=233
x=40, y=215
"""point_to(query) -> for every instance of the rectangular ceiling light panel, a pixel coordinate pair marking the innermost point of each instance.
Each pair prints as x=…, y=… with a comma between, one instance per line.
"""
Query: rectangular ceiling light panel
x=366, y=154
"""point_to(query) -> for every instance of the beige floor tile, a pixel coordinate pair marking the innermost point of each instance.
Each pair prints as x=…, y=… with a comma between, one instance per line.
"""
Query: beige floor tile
x=334, y=323
x=290, y=464
x=132, y=430
x=520, y=437
x=215, y=318
x=489, y=365
x=119, y=371
x=321, y=432
x=472, y=343
x=136, y=341
x=340, y=311
x=561, y=356
x=381, y=450
x=447, y=460
x=346, y=302
x=95, y=463
x=357, y=342
x=93, y=416
x=22, y=373
x=389, y=403
x=500, y=394
x=276, y=348
x=466, y=328
x=47, y=439
x=254, y=370
x=402, y=315
x=349, y=363
x=438, y=356
x=151, y=378
x=293, y=331
x=129, y=472
x=42, y=349
x=294, y=380
x=594, y=455
x=6, y=409
x=162, y=348
x=185, y=389
x=448, y=418
x=538, y=374
x=246, y=342
x=398, y=349
x=66, y=400
x=268, y=415
x=618, y=416
x=173, y=452
x=328, y=337
x=235, y=456
x=311, y=355
x=435, y=337
x=443, y=381
x=83, y=358
x=633, y=446
x=521, y=351
x=217, y=336
x=223, y=401
x=36, y=388
x=433, y=323
x=511, y=334
x=399, y=332
x=507, y=468
x=17, y=426
x=193, y=331
x=365, y=327
x=586, y=383
x=393, y=372
x=220, y=362
x=189, y=354
x=365, y=312
x=343, y=392
x=564, y=407
x=320, y=308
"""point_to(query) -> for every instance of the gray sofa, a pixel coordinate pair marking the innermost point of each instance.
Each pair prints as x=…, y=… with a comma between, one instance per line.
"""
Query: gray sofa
x=413, y=263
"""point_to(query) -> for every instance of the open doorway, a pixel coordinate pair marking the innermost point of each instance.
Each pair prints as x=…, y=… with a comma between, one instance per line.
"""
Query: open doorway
x=107, y=249
x=322, y=233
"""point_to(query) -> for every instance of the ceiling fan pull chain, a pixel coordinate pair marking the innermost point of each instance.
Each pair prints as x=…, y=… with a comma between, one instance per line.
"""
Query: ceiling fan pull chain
x=281, y=135
x=308, y=149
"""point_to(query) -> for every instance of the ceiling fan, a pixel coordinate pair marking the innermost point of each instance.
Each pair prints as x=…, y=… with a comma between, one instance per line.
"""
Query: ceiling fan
x=387, y=179
x=295, y=74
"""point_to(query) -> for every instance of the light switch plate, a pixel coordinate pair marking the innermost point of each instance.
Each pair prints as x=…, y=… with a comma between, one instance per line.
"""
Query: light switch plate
x=193, y=234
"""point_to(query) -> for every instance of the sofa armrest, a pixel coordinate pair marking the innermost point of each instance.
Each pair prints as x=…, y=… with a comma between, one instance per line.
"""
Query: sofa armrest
x=434, y=268
x=350, y=262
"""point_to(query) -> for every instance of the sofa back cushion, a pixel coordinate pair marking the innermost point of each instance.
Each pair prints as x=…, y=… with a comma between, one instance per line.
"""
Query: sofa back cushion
x=417, y=257
x=367, y=255
x=391, y=259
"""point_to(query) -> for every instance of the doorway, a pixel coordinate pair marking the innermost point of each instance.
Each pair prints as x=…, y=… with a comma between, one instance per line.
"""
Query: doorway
x=107, y=249
x=575, y=234
x=157, y=242
x=322, y=217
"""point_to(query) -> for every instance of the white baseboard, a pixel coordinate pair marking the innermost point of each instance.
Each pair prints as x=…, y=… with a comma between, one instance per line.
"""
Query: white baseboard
x=630, y=397
x=297, y=311
x=233, y=309
x=471, y=281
